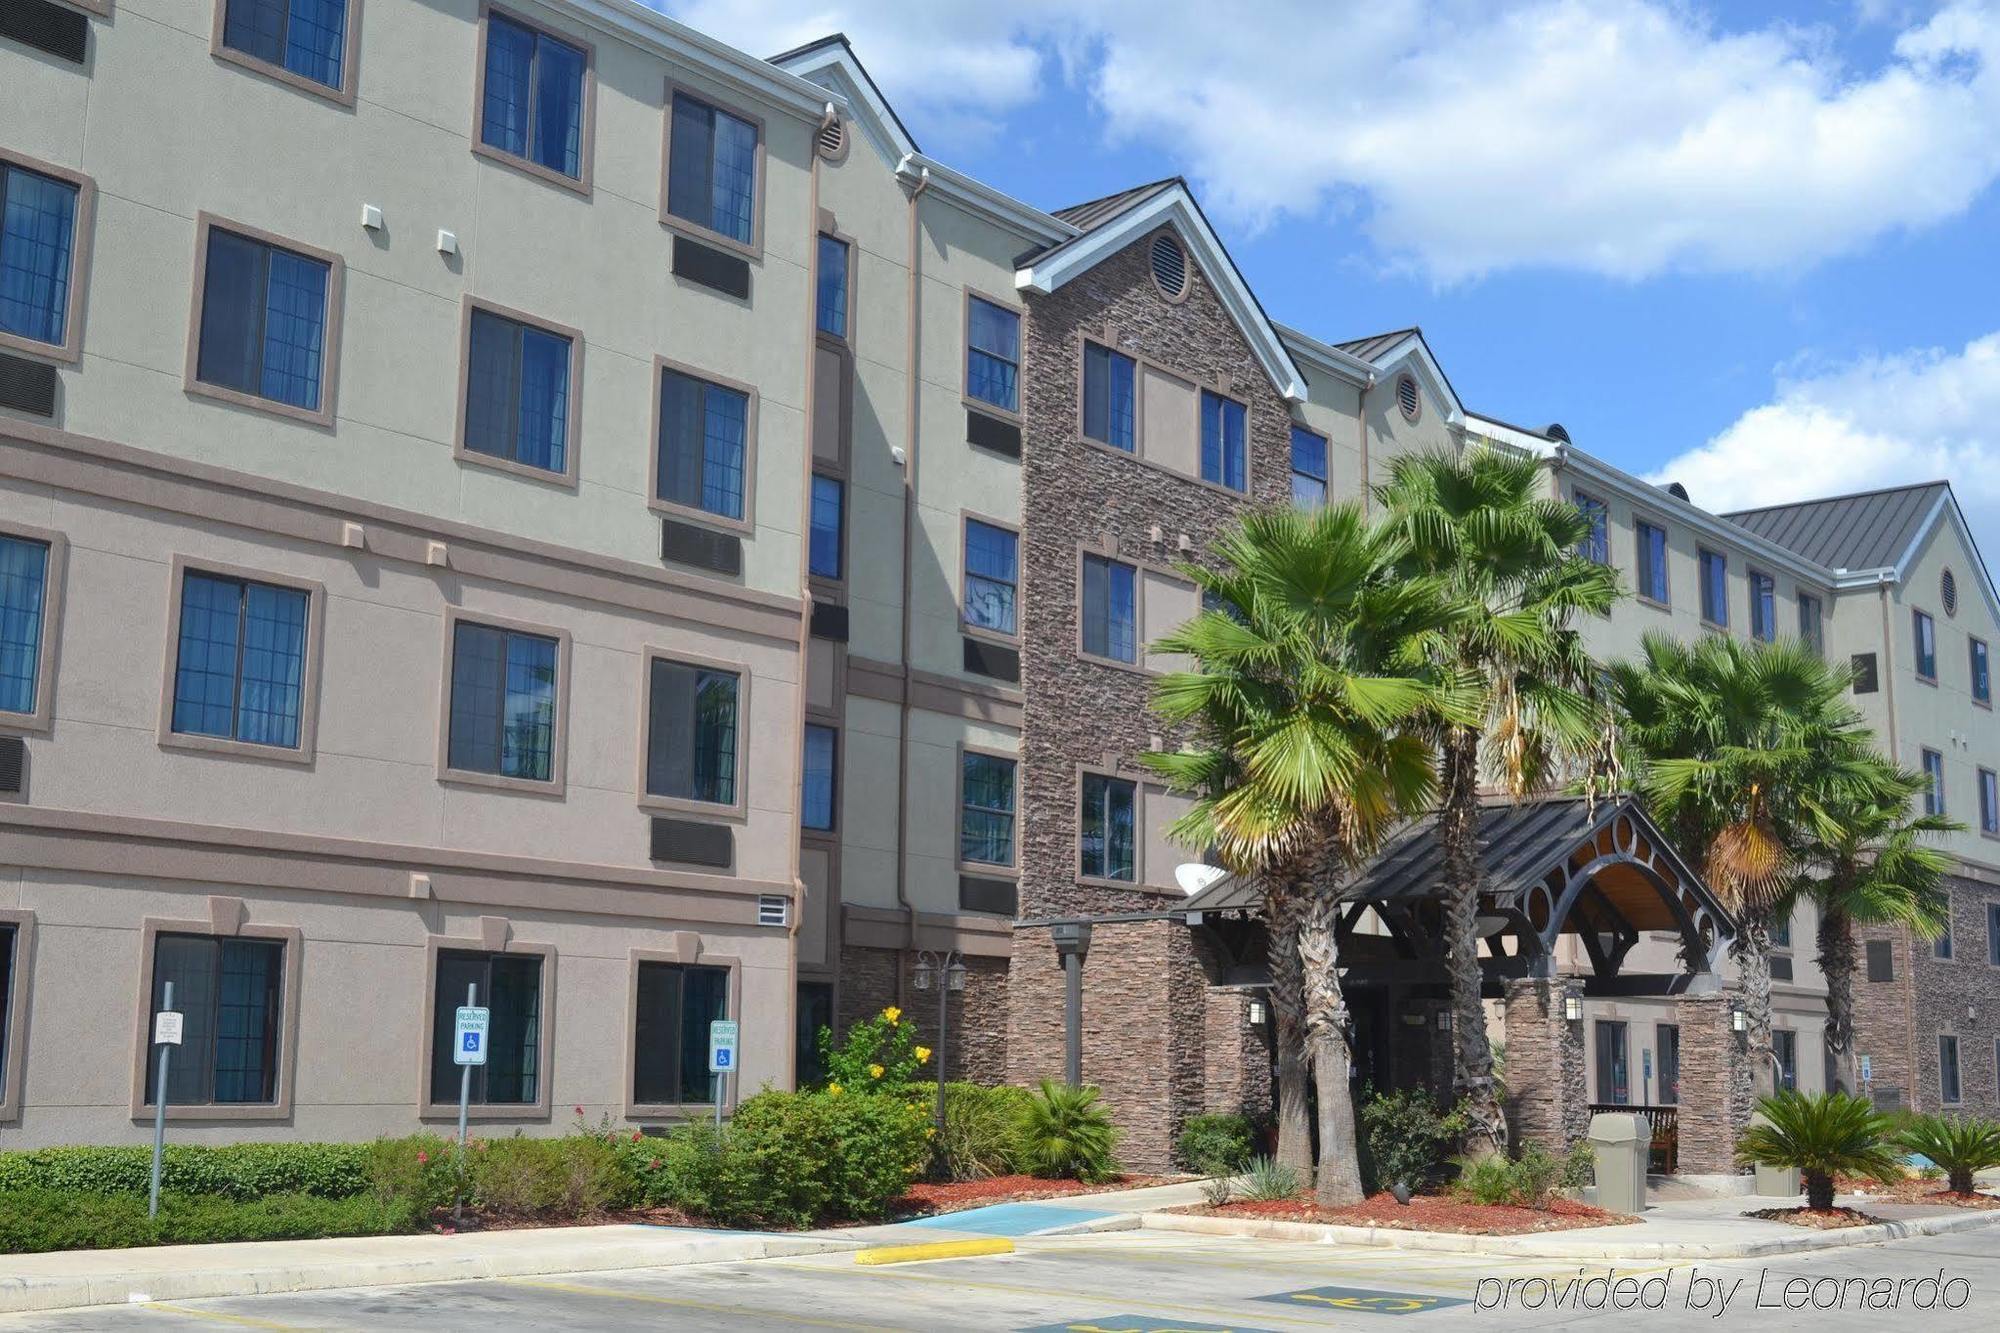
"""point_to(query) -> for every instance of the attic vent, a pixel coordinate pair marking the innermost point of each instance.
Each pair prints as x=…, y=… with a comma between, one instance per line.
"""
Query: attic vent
x=773, y=909
x=832, y=137
x=1948, y=590
x=1408, y=397
x=1169, y=266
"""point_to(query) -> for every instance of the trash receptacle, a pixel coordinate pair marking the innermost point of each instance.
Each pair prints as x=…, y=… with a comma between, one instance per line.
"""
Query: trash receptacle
x=1622, y=1143
x=1774, y=1182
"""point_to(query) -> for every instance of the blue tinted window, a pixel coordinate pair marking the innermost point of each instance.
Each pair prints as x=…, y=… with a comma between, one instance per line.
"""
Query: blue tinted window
x=1924, y=631
x=1110, y=609
x=1989, y=801
x=534, y=96
x=992, y=354
x=503, y=702
x=1763, y=607
x=1308, y=468
x=832, y=305
x=1652, y=562
x=1714, y=588
x=307, y=37
x=704, y=433
x=24, y=590
x=1982, y=672
x=828, y=495
x=986, y=810
x=817, y=783
x=263, y=320
x=1222, y=445
x=991, y=577
x=1107, y=828
x=691, y=733
x=1934, y=783
x=37, y=242
x=712, y=169
x=517, y=392
x=1110, y=411
x=239, y=669
x=1597, y=545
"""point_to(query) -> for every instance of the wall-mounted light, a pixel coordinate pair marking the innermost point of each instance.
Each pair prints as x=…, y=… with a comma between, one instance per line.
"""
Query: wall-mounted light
x=1738, y=1021
x=1573, y=1008
x=1258, y=1013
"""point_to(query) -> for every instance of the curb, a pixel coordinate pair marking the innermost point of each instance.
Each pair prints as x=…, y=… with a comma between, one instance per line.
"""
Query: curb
x=936, y=1249
x=1511, y=1246
x=19, y=1295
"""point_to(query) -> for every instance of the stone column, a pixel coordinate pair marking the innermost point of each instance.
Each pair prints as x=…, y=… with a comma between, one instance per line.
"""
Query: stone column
x=1715, y=1098
x=1547, y=1102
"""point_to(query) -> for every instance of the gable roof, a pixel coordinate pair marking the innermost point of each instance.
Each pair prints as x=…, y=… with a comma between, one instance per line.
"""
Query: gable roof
x=830, y=62
x=1370, y=347
x=1384, y=350
x=1870, y=530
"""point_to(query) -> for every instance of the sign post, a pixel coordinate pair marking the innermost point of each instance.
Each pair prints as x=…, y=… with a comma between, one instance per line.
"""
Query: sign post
x=721, y=1059
x=166, y=1036
x=468, y=1048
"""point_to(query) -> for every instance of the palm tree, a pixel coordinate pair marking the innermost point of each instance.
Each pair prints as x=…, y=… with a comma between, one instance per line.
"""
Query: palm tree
x=1303, y=679
x=1960, y=1146
x=1486, y=527
x=1824, y=1136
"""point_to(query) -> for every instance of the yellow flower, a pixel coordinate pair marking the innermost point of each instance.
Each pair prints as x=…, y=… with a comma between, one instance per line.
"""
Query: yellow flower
x=923, y=1055
x=892, y=1013
x=833, y=1089
x=930, y=1131
x=874, y=1071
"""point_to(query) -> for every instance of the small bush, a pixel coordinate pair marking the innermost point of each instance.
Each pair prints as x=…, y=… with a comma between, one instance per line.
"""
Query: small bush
x=1823, y=1135
x=982, y=1130
x=1068, y=1134
x=32, y=1221
x=1959, y=1146
x=1267, y=1179
x=420, y=1171
x=796, y=1158
x=235, y=1171
x=1405, y=1137
x=1215, y=1145
x=685, y=1170
x=1528, y=1181
x=879, y=1055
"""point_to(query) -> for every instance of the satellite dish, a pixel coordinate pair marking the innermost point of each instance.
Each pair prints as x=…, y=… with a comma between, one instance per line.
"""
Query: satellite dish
x=1194, y=876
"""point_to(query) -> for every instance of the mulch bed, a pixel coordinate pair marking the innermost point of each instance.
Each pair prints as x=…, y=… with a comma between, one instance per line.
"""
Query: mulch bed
x=1425, y=1212
x=1916, y=1190
x=1819, y=1219
x=928, y=1198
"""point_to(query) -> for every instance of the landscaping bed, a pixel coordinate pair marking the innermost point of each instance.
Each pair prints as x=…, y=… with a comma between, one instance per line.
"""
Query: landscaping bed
x=1424, y=1212
x=1915, y=1190
x=929, y=1198
x=1818, y=1219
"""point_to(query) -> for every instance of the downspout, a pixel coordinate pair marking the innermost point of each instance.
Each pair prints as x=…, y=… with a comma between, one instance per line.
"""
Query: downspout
x=1361, y=421
x=1909, y=987
x=909, y=559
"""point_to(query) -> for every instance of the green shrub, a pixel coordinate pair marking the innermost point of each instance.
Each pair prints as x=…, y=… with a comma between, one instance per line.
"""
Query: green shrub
x=1067, y=1133
x=1267, y=1179
x=420, y=1172
x=1215, y=1145
x=982, y=1130
x=684, y=1170
x=796, y=1158
x=235, y=1171
x=1405, y=1137
x=879, y=1055
x=1527, y=1181
x=1824, y=1135
x=1959, y=1146
x=32, y=1221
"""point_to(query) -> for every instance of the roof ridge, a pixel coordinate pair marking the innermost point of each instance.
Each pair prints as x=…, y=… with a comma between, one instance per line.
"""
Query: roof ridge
x=1145, y=189
x=1835, y=499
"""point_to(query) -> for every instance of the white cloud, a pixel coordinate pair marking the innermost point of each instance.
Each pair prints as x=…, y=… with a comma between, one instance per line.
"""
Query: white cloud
x=1622, y=137
x=1878, y=421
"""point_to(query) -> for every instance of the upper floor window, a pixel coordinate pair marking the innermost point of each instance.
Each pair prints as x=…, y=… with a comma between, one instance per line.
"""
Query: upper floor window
x=1110, y=401
x=986, y=809
x=39, y=287
x=503, y=702
x=240, y=664
x=1785, y=1049
x=1942, y=945
x=830, y=311
x=532, y=105
x=518, y=392
x=692, y=732
x=1223, y=447
x=1924, y=632
x=1763, y=607
x=816, y=781
x=991, y=576
x=829, y=497
x=1597, y=542
x=1982, y=672
x=992, y=354
x=24, y=599
x=1933, y=782
x=1106, y=828
x=1652, y=561
x=307, y=38
x=265, y=321
x=230, y=995
x=1308, y=468
x=1993, y=933
x=703, y=445
x=1714, y=588
x=1810, y=627
x=1110, y=609
x=712, y=170
x=1989, y=801
x=1948, y=1088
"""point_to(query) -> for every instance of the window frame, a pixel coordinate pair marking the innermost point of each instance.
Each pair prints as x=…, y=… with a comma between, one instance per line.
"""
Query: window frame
x=1763, y=589
x=1787, y=1072
x=1944, y=948
x=754, y=247
x=309, y=675
x=226, y=920
x=846, y=334
x=1816, y=637
x=737, y=811
x=1934, y=803
x=1979, y=654
x=1640, y=527
x=329, y=361
x=496, y=937
x=1599, y=1029
x=1957, y=1070
x=1660, y=1031
x=746, y=525
x=40, y=719
x=15, y=1014
x=1989, y=802
x=1109, y=347
x=966, y=517
x=70, y=350
x=557, y=783
x=573, y=420
x=1324, y=479
x=810, y=725
x=1714, y=616
x=1920, y=620
x=587, y=131
x=1597, y=545
x=1205, y=393
x=1993, y=934
x=839, y=482
x=684, y=950
x=1138, y=662
x=966, y=396
x=1138, y=786
x=989, y=869
x=343, y=95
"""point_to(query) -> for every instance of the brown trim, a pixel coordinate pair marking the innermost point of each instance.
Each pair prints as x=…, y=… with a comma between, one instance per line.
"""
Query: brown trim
x=587, y=135
x=1137, y=664
x=1978, y=780
x=169, y=739
x=1019, y=311
x=1916, y=667
x=687, y=951
x=54, y=573
x=497, y=937
x=14, y=1019
x=82, y=228
x=754, y=248
x=973, y=934
x=737, y=811
x=842, y=463
x=557, y=782
x=573, y=422
x=1138, y=879
x=329, y=364
x=930, y=692
x=1972, y=684
x=829, y=588
x=965, y=626
x=225, y=922
x=351, y=54
x=831, y=832
x=1639, y=594
x=746, y=524
x=1958, y=1049
x=1107, y=338
x=984, y=868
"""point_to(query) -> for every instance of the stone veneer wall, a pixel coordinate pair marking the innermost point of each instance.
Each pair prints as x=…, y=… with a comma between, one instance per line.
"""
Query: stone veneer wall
x=1146, y=1026
x=976, y=1050
x=1898, y=1022
x=1547, y=1101
x=1715, y=1093
x=1884, y=1016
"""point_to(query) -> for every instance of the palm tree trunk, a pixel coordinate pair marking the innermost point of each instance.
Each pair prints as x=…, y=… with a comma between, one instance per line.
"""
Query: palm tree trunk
x=1819, y=1190
x=1752, y=951
x=1339, y=1174
x=1288, y=1021
x=1836, y=964
x=1472, y=1053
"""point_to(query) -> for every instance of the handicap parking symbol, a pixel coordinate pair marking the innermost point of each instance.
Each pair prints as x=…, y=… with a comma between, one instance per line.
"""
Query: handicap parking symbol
x=471, y=1042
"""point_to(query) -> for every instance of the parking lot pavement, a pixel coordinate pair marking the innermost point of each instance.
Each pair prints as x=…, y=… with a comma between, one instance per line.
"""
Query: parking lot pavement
x=1131, y=1280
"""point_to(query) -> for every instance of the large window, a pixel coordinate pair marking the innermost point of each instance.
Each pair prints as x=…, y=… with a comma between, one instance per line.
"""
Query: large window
x=676, y=1003
x=509, y=987
x=712, y=170
x=230, y=993
x=1667, y=1040
x=1948, y=1088
x=1763, y=607
x=1223, y=445
x=830, y=310
x=1105, y=829
x=1982, y=672
x=24, y=594
x=534, y=97
x=1714, y=587
x=1110, y=609
x=1941, y=947
x=503, y=702
x=692, y=732
x=703, y=446
x=1924, y=634
x=986, y=809
x=1652, y=543
x=829, y=496
x=38, y=244
x=240, y=663
x=1614, y=1076
x=1597, y=542
x=264, y=321
x=1933, y=782
x=517, y=392
x=1110, y=398
x=817, y=782
x=814, y=1011
x=1308, y=468
x=992, y=354
x=303, y=37
x=1989, y=801
x=1810, y=626
x=10, y=936
x=1785, y=1047
x=991, y=576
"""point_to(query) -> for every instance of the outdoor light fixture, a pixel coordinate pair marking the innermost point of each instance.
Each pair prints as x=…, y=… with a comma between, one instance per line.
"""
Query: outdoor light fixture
x=1444, y=1020
x=1739, y=1021
x=921, y=977
x=1257, y=1013
x=1573, y=1008
x=954, y=976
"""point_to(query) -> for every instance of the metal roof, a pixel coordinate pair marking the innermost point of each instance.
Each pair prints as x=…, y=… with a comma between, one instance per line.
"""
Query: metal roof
x=1866, y=531
x=1375, y=344
x=1093, y=211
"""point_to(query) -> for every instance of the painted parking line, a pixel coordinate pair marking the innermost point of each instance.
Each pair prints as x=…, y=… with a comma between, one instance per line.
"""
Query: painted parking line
x=676, y=1302
x=1137, y=1323
x=214, y=1316
x=1360, y=1300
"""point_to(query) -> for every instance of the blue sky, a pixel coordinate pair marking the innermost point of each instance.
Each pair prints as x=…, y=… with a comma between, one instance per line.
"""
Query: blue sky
x=1750, y=247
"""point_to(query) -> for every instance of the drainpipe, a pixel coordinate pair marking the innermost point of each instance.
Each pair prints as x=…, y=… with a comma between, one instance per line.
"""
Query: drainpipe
x=909, y=532
x=1895, y=757
x=1361, y=422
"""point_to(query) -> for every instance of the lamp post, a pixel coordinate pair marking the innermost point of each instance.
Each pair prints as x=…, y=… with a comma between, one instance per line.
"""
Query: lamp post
x=1072, y=941
x=947, y=971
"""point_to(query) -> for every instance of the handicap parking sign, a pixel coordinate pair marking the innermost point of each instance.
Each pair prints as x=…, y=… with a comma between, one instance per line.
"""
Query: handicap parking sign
x=470, y=1048
x=722, y=1047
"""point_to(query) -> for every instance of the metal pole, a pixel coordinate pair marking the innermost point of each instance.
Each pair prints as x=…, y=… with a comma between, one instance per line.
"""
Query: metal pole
x=721, y=1087
x=944, y=998
x=464, y=1102
x=1073, y=1019
x=160, y=1109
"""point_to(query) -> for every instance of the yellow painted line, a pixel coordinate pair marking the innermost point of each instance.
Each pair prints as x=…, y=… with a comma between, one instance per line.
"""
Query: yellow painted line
x=574, y=1289
x=215, y=1316
x=936, y=1249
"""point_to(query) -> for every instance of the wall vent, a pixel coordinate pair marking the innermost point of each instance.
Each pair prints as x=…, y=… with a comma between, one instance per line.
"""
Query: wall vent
x=997, y=897
x=27, y=386
x=829, y=621
x=1002, y=437
x=686, y=544
x=832, y=138
x=61, y=32
x=992, y=660
x=1170, y=268
x=1948, y=592
x=773, y=909
x=1881, y=961
x=13, y=764
x=1408, y=397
